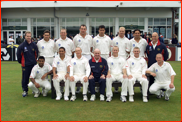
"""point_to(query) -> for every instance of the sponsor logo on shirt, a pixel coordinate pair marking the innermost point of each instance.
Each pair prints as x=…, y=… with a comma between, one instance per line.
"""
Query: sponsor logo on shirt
x=59, y=45
x=58, y=62
x=116, y=43
x=37, y=71
x=133, y=45
x=156, y=70
x=79, y=40
x=25, y=49
x=74, y=63
x=97, y=41
x=92, y=66
x=132, y=63
x=42, y=47
x=150, y=48
x=112, y=63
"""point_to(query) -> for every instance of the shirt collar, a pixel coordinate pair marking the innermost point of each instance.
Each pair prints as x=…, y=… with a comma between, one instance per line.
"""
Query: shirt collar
x=63, y=40
x=93, y=59
x=77, y=58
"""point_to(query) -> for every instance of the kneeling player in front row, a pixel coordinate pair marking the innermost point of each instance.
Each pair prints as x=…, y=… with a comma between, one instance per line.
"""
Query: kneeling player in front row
x=38, y=77
x=117, y=71
x=164, y=77
x=79, y=71
x=61, y=65
x=136, y=67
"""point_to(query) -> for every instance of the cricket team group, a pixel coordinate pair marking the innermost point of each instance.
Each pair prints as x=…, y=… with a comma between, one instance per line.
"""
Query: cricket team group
x=97, y=59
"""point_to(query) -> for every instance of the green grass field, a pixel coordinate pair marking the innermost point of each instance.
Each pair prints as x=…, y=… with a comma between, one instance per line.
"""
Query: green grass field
x=16, y=108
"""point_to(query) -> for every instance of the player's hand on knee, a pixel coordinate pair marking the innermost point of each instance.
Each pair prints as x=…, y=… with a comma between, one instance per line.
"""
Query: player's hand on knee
x=55, y=76
x=171, y=85
x=85, y=79
x=124, y=76
x=72, y=78
x=91, y=77
x=144, y=76
x=37, y=85
x=103, y=77
x=67, y=76
x=130, y=77
x=108, y=76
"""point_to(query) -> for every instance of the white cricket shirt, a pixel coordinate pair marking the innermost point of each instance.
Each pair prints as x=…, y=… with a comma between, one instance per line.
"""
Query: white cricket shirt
x=116, y=64
x=60, y=64
x=46, y=49
x=104, y=44
x=163, y=73
x=79, y=66
x=136, y=66
x=142, y=44
x=67, y=44
x=37, y=71
x=84, y=43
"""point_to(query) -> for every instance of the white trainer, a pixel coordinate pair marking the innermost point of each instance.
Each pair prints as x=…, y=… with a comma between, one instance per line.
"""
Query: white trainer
x=92, y=97
x=102, y=97
x=123, y=98
x=37, y=94
x=145, y=99
x=58, y=97
x=73, y=98
x=84, y=97
x=131, y=98
x=66, y=98
x=109, y=98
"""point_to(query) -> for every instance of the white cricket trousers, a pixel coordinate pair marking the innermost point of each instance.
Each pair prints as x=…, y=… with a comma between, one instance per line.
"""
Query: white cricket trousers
x=43, y=83
x=156, y=87
x=49, y=60
x=105, y=56
x=78, y=77
x=56, y=83
x=143, y=81
x=118, y=78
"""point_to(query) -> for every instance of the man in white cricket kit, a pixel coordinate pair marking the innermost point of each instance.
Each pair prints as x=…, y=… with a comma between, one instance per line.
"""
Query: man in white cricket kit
x=61, y=65
x=65, y=42
x=84, y=41
x=137, y=41
x=102, y=42
x=47, y=47
x=122, y=43
x=164, y=77
x=79, y=71
x=38, y=77
x=136, y=67
x=117, y=71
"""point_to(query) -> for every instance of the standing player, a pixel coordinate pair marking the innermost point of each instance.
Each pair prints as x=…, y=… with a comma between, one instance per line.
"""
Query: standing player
x=117, y=71
x=47, y=47
x=122, y=43
x=79, y=71
x=84, y=41
x=136, y=67
x=60, y=64
x=27, y=56
x=65, y=42
x=137, y=41
x=164, y=77
x=102, y=42
x=38, y=77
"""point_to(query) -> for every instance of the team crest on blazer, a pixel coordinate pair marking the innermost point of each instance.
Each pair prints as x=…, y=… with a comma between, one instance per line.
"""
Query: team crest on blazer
x=100, y=66
x=158, y=49
x=32, y=49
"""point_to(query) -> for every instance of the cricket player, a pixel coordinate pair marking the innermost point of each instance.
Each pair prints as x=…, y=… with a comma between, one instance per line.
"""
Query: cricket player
x=136, y=67
x=116, y=71
x=122, y=43
x=65, y=42
x=27, y=56
x=61, y=65
x=102, y=42
x=38, y=77
x=164, y=77
x=137, y=41
x=79, y=71
x=47, y=47
x=99, y=70
x=84, y=41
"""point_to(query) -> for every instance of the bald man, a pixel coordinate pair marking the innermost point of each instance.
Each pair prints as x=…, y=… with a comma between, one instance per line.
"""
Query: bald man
x=99, y=69
x=152, y=49
x=164, y=77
